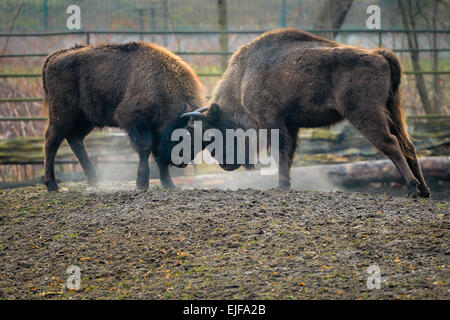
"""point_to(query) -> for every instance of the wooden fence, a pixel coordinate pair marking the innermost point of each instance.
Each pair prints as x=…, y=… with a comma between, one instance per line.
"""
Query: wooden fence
x=28, y=150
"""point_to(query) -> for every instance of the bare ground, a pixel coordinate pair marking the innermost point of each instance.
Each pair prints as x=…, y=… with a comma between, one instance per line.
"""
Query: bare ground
x=216, y=244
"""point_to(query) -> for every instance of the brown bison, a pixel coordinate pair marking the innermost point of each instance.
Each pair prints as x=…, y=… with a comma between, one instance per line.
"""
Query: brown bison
x=140, y=87
x=289, y=79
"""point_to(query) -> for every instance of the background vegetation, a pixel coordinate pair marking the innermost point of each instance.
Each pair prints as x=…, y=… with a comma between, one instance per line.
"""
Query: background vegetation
x=423, y=93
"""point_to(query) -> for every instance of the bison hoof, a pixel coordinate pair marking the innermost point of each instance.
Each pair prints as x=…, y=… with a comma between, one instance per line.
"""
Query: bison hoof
x=93, y=181
x=142, y=186
x=284, y=185
x=169, y=186
x=51, y=186
x=425, y=193
x=413, y=190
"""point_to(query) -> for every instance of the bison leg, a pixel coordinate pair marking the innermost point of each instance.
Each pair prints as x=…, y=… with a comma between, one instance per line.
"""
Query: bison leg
x=288, y=144
x=141, y=139
x=164, y=176
x=53, y=138
x=375, y=128
x=75, y=140
x=414, y=165
x=143, y=174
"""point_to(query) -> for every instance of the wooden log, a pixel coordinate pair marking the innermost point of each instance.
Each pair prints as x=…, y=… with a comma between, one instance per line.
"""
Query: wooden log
x=322, y=177
x=340, y=144
x=384, y=171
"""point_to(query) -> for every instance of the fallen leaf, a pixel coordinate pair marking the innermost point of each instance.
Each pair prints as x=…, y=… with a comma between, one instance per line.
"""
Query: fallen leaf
x=50, y=293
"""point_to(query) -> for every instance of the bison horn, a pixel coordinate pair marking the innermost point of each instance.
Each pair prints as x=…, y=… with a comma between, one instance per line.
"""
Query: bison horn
x=197, y=113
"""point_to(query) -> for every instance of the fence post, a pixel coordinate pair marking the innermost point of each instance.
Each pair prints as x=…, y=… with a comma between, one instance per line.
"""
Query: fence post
x=283, y=13
x=46, y=15
x=223, y=26
x=166, y=21
x=141, y=22
x=153, y=21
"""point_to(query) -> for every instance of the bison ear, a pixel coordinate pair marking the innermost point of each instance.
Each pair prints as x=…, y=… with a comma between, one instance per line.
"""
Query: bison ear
x=184, y=107
x=213, y=112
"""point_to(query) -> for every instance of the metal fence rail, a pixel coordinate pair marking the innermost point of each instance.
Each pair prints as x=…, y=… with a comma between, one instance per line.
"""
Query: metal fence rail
x=88, y=33
x=409, y=117
x=211, y=32
x=212, y=53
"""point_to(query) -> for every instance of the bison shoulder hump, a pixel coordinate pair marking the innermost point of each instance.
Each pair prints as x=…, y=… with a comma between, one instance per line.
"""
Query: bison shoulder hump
x=128, y=47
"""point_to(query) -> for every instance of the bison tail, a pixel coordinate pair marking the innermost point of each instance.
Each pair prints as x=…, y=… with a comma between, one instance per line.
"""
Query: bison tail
x=44, y=86
x=394, y=107
x=44, y=107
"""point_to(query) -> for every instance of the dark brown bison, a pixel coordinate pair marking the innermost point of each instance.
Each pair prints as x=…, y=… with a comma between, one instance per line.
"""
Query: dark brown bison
x=288, y=79
x=140, y=87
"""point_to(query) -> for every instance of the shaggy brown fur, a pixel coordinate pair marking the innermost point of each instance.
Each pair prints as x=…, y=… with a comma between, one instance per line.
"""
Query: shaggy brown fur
x=288, y=79
x=140, y=87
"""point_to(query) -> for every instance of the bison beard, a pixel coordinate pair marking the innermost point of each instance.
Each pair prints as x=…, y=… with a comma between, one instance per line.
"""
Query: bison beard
x=140, y=87
x=288, y=79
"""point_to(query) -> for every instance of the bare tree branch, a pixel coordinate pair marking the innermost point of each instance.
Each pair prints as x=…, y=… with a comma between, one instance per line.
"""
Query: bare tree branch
x=12, y=25
x=332, y=15
x=413, y=43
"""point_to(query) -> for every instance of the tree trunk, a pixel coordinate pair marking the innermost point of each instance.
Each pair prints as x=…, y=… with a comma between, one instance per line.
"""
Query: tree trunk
x=332, y=16
x=166, y=21
x=437, y=93
x=413, y=43
x=223, y=26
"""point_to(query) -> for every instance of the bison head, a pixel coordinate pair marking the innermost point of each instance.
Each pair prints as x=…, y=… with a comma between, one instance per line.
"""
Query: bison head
x=214, y=118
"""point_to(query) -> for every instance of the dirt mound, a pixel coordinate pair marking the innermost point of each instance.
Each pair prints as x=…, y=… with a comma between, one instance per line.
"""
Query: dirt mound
x=216, y=244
